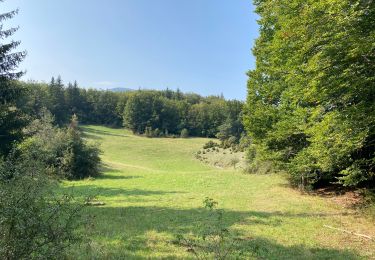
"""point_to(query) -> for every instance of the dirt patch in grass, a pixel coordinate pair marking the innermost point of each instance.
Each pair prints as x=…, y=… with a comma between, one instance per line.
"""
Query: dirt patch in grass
x=345, y=197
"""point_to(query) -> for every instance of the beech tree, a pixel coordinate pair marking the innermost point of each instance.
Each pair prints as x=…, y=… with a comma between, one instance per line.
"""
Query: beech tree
x=311, y=99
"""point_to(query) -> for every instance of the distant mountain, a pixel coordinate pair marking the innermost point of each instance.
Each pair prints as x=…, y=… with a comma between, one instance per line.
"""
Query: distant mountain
x=120, y=89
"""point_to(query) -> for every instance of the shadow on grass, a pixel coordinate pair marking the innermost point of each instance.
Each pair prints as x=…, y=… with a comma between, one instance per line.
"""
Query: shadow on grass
x=110, y=173
x=91, y=136
x=93, y=191
x=94, y=132
x=131, y=225
x=116, y=177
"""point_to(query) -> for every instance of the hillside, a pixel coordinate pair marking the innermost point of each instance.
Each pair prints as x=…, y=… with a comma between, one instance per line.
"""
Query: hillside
x=153, y=190
x=121, y=89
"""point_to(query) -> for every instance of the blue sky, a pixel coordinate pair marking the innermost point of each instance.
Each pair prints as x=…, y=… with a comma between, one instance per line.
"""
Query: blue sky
x=201, y=46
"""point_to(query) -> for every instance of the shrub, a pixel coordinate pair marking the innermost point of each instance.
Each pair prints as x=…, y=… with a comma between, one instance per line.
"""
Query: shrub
x=81, y=159
x=214, y=240
x=234, y=162
x=148, y=132
x=65, y=153
x=210, y=144
x=231, y=142
x=35, y=222
x=245, y=142
x=257, y=163
x=184, y=133
x=157, y=133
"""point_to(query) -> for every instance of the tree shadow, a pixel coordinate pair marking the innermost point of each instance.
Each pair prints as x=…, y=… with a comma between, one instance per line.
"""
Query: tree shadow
x=108, y=169
x=264, y=248
x=95, y=132
x=131, y=225
x=116, y=177
x=94, y=191
x=87, y=135
x=110, y=173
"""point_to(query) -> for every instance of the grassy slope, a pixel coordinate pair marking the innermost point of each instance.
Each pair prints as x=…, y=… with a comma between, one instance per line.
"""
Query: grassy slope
x=154, y=188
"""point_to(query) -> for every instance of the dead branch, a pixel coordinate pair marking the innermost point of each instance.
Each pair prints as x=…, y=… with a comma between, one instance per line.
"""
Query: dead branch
x=349, y=232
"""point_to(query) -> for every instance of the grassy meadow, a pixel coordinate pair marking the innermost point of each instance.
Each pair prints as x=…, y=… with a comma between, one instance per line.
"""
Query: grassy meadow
x=153, y=190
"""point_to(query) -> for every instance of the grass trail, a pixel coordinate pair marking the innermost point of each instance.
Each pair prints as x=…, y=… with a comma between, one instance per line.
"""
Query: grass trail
x=153, y=190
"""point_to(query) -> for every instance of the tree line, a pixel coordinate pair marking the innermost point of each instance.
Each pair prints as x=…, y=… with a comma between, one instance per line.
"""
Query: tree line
x=311, y=99
x=150, y=112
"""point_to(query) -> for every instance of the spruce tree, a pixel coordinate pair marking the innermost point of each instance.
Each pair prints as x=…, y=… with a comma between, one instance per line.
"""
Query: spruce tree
x=57, y=100
x=11, y=118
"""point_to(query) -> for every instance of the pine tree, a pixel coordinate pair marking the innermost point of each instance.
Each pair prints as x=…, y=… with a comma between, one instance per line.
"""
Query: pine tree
x=11, y=118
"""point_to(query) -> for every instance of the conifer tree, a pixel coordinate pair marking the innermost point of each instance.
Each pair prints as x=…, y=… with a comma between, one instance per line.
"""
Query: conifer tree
x=73, y=98
x=11, y=118
x=57, y=100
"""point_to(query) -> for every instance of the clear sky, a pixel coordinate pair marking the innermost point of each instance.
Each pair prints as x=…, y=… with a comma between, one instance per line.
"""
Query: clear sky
x=201, y=46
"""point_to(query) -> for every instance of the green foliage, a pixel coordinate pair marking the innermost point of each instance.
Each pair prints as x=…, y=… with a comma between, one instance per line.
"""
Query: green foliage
x=101, y=107
x=65, y=153
x=74, y=100
x=232, y=127
x=149, y=132
x=310, y=107
x=35, y=221
x=12, y=118
x=57, y=104
x=210, y=144
x=82, y=159
x=169, y=111
x=157, y=133
x=244, y=143
x=214, y=241
x=205, y=118
x=184, y=133
x=230, y=142
x=149, y=109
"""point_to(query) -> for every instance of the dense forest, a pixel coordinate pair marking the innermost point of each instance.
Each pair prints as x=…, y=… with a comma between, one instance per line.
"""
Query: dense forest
x=151, y=112
x=311, y=99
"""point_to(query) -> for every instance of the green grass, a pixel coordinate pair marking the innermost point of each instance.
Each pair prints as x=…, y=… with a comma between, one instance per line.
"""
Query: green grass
x=153, y=190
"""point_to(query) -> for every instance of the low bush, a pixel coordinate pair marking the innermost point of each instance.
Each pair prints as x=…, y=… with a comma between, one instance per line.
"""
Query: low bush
x=210, y=144
x=214, y=240
x=230, y=142
x=35, y=222
x=148, y=132
x=257, y=163
x=65, y=153
x=184, y=133
x=157, y=133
